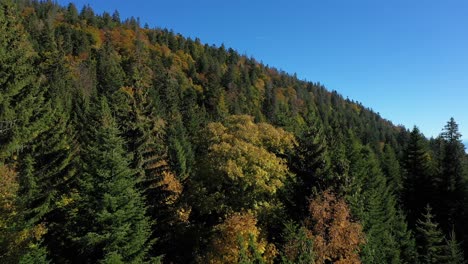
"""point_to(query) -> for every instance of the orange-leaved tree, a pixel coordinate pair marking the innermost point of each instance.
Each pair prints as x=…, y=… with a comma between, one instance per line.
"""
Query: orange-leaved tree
x=337, y=238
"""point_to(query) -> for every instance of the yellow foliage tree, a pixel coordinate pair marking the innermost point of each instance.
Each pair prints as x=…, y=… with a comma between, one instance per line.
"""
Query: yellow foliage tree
x=238, y=240
x=243, y=168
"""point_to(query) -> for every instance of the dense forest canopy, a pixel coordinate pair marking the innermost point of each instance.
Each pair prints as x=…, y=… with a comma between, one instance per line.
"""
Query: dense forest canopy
x=125, y=144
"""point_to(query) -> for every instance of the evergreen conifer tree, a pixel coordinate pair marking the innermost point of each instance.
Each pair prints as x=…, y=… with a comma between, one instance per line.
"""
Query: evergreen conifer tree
x=111, y=223
x=451, y=186
x=373, y=202
x=432, y=249
x=19, y=86
x=311, y=164
x=418, y=180
x=455, y=253
x=391, y=169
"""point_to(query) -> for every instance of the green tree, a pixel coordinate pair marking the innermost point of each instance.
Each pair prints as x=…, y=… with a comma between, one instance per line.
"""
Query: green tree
x=373, y=202
x=418, y=177
x=430, y=239
x=110, y=72
x=111, y=219
x=311, y=164
x=19, y=86
x=451, y=187
x=455, y=253
x=391, y=169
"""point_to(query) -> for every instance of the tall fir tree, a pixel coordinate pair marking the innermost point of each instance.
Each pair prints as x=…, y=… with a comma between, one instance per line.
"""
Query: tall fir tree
x=19, y=86
x=431, y=247
x=111, y=223
x=451, y=185
x=311, y=164
x=455, y=253
x=373, y=202
x=392, y=170
x=109, y=69
x=418, y=177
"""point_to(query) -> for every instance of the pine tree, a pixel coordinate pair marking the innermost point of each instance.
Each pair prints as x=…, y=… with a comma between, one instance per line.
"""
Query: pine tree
x=418, y=180
x=311, y=164
x=19, y=86
x=37, y=132
x=110, y=72
x=455, y=253
x=432, y=249
x=451, y=185
x=373, y=202
x=111, y=221
x=391, y=169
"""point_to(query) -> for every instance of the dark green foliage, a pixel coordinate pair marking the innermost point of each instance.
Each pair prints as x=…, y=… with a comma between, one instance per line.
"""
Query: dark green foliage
x=455, y=253
x=431, y=246
x=373, y=202
x=19, y=86
x=311, y=164
x=47, y=169
x=108, y=195
x=109, y=70
x=451, y=185
x=418, y=178
x=391, y=169
x=181, y=155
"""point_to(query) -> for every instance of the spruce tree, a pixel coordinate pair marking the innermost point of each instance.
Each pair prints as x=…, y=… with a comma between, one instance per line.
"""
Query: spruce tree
x=455, y=253
x=391, y=169
x=451, y=184
x=111, y=221
x=32, y=135
x=311, y=164
x=373, y=202
x=418, y=180
x=19, y=86
x=430, y=238
x=110, y=72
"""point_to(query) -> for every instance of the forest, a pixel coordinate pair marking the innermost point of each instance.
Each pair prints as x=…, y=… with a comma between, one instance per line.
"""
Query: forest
x=121, y=143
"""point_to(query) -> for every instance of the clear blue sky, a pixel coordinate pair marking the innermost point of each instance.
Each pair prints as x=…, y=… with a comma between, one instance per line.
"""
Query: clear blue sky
x=406, y=59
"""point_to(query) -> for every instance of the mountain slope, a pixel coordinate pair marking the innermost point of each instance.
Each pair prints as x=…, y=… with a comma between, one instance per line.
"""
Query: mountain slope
x=230, y=158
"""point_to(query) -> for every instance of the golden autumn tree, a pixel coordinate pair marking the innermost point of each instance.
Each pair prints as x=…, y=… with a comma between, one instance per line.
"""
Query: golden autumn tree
x=243, y=167
x=239, y=240
x=337, y=238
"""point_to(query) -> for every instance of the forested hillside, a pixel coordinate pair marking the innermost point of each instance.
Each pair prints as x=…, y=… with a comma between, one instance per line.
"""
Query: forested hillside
x=125, y=144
